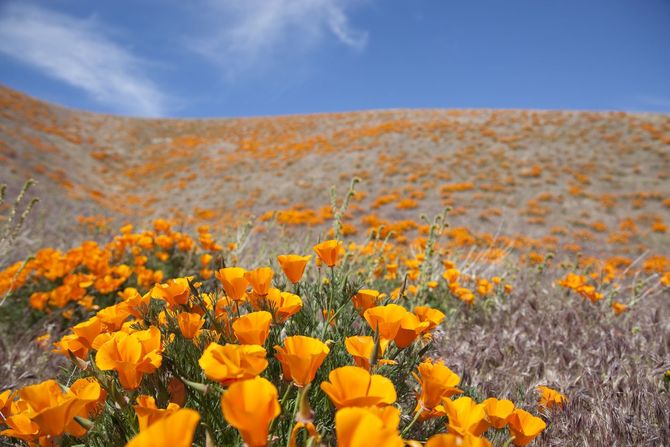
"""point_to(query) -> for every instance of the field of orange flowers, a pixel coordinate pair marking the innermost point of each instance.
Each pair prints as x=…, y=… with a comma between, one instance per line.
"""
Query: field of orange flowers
x=187, y=283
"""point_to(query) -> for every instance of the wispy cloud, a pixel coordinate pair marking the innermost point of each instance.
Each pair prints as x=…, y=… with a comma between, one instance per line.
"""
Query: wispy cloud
x=78, y=52
x=247, y=34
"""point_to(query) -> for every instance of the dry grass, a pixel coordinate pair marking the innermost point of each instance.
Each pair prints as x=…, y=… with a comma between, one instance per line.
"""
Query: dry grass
x=611, y=368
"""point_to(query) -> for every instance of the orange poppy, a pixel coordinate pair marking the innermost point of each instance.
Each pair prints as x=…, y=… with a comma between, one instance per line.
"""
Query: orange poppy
x=363, y=427
x=131, y=355
x=410, y=328
x=260, y=280
x=301, y=357
x=253, y=328
x=550, y=398
x=175, y=430
x=351, y=386
x=497, y=411
x=524, y=426
x=437, y=382
x=148, y=413
x=189, y=324
x=328, y=251
x=293, y=266
x=465, y=416
x=174, y=291
x=283, y=304
x=230, y=363
x=385, y=320
x=250, y=406
x=365, y=299
x=234, y=282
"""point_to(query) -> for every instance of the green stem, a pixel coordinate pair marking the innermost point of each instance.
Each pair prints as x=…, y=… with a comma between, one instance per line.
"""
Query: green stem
x=327, y=318
x=296, y=406
x=411, y=424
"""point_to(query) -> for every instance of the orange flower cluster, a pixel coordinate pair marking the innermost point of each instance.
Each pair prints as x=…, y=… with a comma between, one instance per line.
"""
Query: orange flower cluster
x=87, y=274
x=37, y=414
x=482, y=287
x=579, y=284
x=144, y=343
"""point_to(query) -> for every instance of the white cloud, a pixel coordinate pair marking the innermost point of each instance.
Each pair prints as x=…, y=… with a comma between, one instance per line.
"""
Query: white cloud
x=244, y=34
x=77, y=52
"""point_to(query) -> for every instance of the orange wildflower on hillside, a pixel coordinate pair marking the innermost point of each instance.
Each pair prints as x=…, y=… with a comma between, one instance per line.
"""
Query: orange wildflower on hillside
x=293, y=266
x=131, y=355
x=174, y=430
x=253, y=328
x=363, y=427
x=230, y=363
x=328, y=251
x=250, y=406
x=234, y=282
x=300, y=358
x=351, y=386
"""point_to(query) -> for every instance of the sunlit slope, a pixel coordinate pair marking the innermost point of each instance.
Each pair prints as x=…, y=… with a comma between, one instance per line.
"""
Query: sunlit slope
x=567, y=180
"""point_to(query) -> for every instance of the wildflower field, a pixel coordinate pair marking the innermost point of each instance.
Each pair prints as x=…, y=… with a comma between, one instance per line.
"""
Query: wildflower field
x=421, y=278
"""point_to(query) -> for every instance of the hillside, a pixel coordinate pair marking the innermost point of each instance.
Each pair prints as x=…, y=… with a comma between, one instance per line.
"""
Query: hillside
x=537, y=316
x=572, y=181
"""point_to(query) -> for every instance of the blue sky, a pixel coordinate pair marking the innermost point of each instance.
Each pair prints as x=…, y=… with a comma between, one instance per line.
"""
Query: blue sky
x=209, y=58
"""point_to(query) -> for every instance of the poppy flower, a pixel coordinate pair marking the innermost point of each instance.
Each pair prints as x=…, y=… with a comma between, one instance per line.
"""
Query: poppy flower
x=351, y=386
x=484, y=287
x=175, y=291
x=234, y=282
x=437, y=382
x=497, y=411
x=113, y=317
x=619, y=307
x=253, y=328
x=260, y=280
x=131, y=355
x=72, y=343
x=451, y=275
x=453, y=440
x=88, y=330
x=300, y=357
x=665, y=279
x=6, y=399
x=293, y=266
x=465, y=416
x=361, y=347
x=524, y=426
x=362, y=427
x=550, y=398
x=21, y=427
x=89, y=390
x=175, y=430
x=189, y=324
x=328, y=251
x=309, y=428
x=283, y=304
x=410, y=328
x=148, y=413
x=433, y=316
x=385, y=320
x=250, y=406
x=365, y=299
x=53, y=410
x=230, y=363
